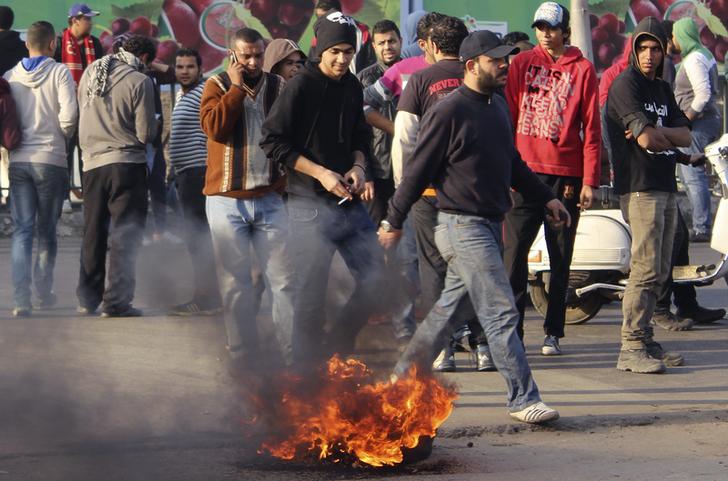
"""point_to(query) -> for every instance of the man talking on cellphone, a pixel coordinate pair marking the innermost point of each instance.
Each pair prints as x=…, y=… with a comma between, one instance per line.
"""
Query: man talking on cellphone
x=317, y=130
x=244, y=204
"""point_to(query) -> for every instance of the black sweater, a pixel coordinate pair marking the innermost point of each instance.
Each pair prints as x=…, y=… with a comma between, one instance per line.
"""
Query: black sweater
x=465, y=149
x=321, y=119
x=12, y=48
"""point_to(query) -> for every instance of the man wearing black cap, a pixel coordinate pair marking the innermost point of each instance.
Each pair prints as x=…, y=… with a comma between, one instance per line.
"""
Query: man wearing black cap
x=465, y=149
x=317, y=131
x=645, y=127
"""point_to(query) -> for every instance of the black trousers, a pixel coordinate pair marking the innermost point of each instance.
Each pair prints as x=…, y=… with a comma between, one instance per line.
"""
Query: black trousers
x=377, y=207
x=158, y=191
x=685, y=295
x=114, y=214
x=433, y=268
x=520, y=230
x=190, y=183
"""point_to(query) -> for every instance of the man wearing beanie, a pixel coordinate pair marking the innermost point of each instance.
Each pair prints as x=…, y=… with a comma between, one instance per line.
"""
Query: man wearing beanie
x=552, y=95
x=466, y=151
x=317, y=131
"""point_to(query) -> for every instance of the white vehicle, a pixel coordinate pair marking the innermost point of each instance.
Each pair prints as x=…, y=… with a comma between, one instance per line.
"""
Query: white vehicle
x=600, y=263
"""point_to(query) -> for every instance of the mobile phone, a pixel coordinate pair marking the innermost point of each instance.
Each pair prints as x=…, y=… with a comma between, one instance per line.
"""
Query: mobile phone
x=233, y=57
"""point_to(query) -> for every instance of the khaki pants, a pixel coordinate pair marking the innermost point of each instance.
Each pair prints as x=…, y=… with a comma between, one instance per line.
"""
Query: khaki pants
x=652, y=217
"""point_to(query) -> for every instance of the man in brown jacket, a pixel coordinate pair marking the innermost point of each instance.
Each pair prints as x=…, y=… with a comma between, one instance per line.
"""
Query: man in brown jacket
x=244, y=205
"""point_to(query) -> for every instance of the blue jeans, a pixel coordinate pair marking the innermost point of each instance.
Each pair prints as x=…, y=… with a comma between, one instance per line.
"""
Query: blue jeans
x=695, y=180
x=472, y=247
x=236, y=226
x=319, y=228
x=404, y=322
x=37, y=192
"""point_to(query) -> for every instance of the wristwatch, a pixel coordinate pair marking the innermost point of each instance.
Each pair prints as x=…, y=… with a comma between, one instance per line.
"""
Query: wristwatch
x=386, y=226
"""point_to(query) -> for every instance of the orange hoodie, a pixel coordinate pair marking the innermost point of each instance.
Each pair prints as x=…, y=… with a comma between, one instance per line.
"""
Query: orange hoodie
x=555, y=111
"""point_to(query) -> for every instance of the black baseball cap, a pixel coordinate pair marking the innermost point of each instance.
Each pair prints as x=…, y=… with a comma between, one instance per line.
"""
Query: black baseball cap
x=485, y=42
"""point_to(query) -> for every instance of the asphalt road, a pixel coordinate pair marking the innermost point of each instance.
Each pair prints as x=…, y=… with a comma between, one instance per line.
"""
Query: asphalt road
x=149, y=399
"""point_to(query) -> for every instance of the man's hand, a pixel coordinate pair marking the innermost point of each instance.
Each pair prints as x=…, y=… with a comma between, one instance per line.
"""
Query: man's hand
x=557, y=214
x=389, y=240
x=334, y=183
x=235, y=72
x=367, y=194
x=586, y=197
x=355, y=179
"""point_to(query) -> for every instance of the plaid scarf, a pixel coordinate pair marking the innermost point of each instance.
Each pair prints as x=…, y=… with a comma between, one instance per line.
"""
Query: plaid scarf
x=71, y=54
x=100, y=72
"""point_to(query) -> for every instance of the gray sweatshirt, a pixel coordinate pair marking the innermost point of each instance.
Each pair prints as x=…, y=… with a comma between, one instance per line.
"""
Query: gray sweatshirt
x=115, y=126
x=696, y=85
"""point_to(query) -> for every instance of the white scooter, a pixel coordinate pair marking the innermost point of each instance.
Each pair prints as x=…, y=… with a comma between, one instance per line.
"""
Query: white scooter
x=600, y=263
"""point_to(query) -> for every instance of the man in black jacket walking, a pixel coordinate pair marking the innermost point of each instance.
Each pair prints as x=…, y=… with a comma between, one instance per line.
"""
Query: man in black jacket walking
x=317, y=130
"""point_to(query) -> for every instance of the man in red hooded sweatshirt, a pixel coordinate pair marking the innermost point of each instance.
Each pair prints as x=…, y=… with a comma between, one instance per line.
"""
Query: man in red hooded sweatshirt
x=552, y=95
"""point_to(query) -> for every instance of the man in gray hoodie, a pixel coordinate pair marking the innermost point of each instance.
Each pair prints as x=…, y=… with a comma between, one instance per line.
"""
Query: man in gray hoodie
x=117, y=120
x=44, y=95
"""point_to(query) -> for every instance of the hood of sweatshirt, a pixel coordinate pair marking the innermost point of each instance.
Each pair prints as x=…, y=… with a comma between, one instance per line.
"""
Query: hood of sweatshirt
x=34, y=78
x=278, y=50
x=652, y=28
x=409, y=28
x=571, y=55
x=686, y=33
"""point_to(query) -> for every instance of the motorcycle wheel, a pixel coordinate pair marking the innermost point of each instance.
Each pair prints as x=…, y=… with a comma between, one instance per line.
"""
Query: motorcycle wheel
x=577, y=312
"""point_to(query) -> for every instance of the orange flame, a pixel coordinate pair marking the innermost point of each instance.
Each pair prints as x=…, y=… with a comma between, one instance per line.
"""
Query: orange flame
x=348, y=414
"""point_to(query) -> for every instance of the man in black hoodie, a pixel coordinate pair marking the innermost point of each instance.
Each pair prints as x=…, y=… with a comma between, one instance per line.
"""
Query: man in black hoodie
x=12, y=47
x=317, y=130
x=645, y=128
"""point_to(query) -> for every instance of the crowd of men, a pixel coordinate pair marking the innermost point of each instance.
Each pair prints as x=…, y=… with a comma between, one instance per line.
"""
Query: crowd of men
x=427, y=162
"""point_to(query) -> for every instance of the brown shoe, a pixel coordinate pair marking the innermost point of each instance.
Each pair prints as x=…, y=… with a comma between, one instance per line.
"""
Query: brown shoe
x=669, y=358
x=638, y=361
x=671, y=322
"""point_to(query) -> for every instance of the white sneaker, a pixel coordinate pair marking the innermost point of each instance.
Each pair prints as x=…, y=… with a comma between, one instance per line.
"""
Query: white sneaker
x=550, y=346
x=67, y=207
x=536, y=413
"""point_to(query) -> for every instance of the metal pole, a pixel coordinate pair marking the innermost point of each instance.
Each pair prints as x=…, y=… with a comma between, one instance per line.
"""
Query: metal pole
x=580, y=31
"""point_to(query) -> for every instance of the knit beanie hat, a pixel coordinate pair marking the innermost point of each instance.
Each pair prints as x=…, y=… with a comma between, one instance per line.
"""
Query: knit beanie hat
x=332, y=29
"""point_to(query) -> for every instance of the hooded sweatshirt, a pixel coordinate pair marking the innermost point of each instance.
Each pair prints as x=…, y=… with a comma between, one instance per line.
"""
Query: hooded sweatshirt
x=555, y=110
x=12, y=48
x=45, y=99
x=696, y=81
x=410, y=48
x=278, y=50
x=10, y=134
x=321, y=119
x=636, y=102
x=117, y=123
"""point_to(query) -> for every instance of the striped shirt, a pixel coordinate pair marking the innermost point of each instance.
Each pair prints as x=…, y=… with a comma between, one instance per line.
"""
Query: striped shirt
x=187, y=141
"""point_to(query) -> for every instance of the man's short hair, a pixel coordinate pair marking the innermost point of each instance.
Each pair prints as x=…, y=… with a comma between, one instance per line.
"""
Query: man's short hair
x=667, y=25
x=40, y=35
x=247, y=35
x=138, y=45
x=384, y=26
x=425, y=24
x=448, y=34
x=328, y=5
x=190, y=52
x=7, y=17
x=512, y=38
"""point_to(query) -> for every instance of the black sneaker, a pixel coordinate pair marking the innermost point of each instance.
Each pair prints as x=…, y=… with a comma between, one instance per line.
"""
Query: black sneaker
x=702, y=315
x=484, y=359
x=192, y=308
x=128, y=312
x=85, y=311
x=550, y=346
x=670, y=322
x=47, y=301
x=699, y=236
x=20, y=311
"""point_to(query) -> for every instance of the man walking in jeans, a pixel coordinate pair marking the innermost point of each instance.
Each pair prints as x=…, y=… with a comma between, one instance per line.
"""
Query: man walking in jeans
x=188, y=156
x=465, y=149
x=45, y=99
x=244, y=204
x=117, y=121
x=317, y=130
x=552, y=95
x=645, y=127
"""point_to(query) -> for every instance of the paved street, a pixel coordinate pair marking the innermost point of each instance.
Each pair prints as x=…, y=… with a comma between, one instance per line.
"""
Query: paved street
x=148, y=398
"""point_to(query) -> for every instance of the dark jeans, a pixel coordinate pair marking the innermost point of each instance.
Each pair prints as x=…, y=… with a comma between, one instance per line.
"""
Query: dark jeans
x=433, y=267
x=158, y=191
x=190, y=183
x=377, y=208
x=72, y=147
x=685, y=295
x=114, y=214
x=521, y=227
x=319, y=228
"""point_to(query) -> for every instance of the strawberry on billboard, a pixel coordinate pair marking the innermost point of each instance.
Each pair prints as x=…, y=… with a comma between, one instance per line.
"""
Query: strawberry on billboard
x=205, y=25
